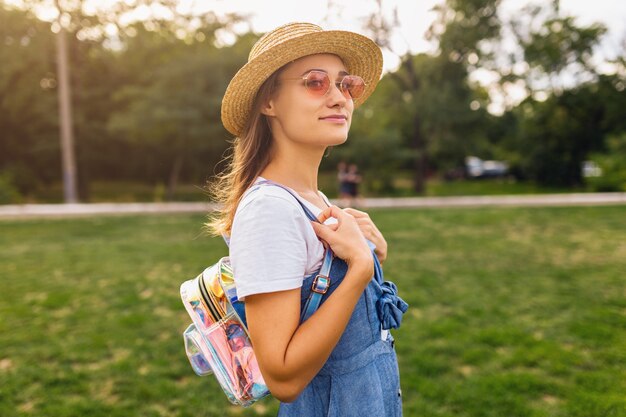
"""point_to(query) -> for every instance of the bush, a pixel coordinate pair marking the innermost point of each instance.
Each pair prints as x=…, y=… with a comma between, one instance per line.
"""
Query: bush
x=8, y=191
x=613, y=166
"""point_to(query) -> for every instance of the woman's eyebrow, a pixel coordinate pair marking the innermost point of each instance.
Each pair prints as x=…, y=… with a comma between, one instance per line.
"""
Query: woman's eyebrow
x=322, y=70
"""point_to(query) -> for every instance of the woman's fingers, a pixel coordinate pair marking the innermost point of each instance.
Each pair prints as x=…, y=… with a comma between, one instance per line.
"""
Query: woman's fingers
x=369, y=234
x=325, y=231
x=357, y=214
x=322, y=231
x=368, y=227
x=327, y=213
x=369, y=231
x=344, y=237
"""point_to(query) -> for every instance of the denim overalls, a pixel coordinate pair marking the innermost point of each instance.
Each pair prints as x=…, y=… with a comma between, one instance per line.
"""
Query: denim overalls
x=361, y=377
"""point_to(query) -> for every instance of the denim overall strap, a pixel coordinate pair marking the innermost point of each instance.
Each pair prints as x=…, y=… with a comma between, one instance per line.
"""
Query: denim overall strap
x=321, y=283
x=319, y=287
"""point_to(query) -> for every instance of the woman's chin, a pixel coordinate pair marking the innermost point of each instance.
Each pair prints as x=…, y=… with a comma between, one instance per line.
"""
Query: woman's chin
x=337, y=137
x=341, y=140
x=333, y=140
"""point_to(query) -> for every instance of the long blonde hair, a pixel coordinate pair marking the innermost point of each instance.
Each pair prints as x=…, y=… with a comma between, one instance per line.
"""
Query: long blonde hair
x=250, y=154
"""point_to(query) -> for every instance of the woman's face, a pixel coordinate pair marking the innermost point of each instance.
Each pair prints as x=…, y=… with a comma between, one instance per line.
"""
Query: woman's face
x=300, y=115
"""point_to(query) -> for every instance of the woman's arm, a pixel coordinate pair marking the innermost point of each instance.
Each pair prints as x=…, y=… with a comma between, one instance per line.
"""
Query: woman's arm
x=290, y=354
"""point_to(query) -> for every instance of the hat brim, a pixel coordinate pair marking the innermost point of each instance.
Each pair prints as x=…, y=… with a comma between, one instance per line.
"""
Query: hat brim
x=360, y=55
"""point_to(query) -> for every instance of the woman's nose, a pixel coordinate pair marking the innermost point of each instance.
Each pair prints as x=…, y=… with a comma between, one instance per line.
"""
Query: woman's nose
x=336, y=96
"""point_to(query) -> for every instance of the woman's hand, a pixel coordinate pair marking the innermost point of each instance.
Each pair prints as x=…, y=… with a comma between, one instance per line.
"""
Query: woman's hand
x=345, y=238
x=370, y=231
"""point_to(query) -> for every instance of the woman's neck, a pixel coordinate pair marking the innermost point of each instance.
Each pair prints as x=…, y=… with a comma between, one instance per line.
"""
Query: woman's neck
x=296, y=170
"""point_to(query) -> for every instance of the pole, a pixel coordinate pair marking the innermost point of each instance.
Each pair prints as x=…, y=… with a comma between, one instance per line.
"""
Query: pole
x=66, y=125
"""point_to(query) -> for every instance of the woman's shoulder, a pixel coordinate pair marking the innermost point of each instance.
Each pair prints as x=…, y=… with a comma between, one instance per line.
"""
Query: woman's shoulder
x=274, y=199
x=270, y=215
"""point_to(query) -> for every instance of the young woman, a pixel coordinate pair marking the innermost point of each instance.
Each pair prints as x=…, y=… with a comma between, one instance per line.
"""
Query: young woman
x=290, y=102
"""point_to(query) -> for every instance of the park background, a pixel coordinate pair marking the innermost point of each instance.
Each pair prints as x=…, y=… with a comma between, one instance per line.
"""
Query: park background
x=514, y=311
x=526, y=84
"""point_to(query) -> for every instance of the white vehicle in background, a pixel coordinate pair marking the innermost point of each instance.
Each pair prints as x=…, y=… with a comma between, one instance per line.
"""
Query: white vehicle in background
x=591, y=169
x=477, y=168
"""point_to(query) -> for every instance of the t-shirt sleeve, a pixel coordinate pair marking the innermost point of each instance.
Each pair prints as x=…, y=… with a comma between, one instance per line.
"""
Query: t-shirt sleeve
x=268, y=250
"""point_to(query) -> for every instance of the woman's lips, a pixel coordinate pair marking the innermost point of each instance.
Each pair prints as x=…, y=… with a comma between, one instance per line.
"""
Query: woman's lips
x=335, y=119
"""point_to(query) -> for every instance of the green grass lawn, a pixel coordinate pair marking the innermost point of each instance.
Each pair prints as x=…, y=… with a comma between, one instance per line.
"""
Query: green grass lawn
x=514, y=312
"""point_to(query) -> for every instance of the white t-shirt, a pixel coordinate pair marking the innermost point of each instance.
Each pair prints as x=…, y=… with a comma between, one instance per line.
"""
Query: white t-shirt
x=272, y=243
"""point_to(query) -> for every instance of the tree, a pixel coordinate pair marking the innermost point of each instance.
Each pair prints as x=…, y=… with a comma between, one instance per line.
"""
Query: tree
x=176, y=106
x=569, y=106
x=434, y=100
x=552, y=45
x=74, y=21
x=555, y=136
x=28, y=127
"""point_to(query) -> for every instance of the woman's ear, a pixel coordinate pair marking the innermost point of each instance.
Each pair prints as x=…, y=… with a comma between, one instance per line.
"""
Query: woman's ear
x=268, y=108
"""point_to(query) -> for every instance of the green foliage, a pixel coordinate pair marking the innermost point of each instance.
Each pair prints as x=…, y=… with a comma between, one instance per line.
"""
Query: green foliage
x=462, y=25
x=175, y=105
x=400, y=184
x=613, y=166
x=28, y=123
x=552, y=44
x=453, y=110
x=451, y=126
x=405, y=122
x=429, y=95
x=153, y=100
x=547, y=139
x=513, y=312
x=8, y=191
x=560, y=42
x=551, y=139
x=147, y=103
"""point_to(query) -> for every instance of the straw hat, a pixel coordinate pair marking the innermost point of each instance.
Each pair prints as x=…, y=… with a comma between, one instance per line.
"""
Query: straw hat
x=360, y=55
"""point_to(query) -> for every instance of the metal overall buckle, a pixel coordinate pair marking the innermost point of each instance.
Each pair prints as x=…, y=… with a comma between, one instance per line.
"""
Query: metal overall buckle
x=320, y=285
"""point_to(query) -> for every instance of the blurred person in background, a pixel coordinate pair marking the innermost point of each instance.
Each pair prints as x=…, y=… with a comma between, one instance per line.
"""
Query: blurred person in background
x=353, y=179
x=344, y=185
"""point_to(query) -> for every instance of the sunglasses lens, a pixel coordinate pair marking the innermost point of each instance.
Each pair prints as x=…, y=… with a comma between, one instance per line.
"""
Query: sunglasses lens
x=354, y=85
x=317, y=82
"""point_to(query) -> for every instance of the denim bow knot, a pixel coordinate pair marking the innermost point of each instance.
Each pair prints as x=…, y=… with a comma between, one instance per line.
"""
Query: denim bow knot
x=390, y=307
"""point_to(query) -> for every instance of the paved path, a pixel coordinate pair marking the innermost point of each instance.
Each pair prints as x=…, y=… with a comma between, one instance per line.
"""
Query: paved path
x=70, y=210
